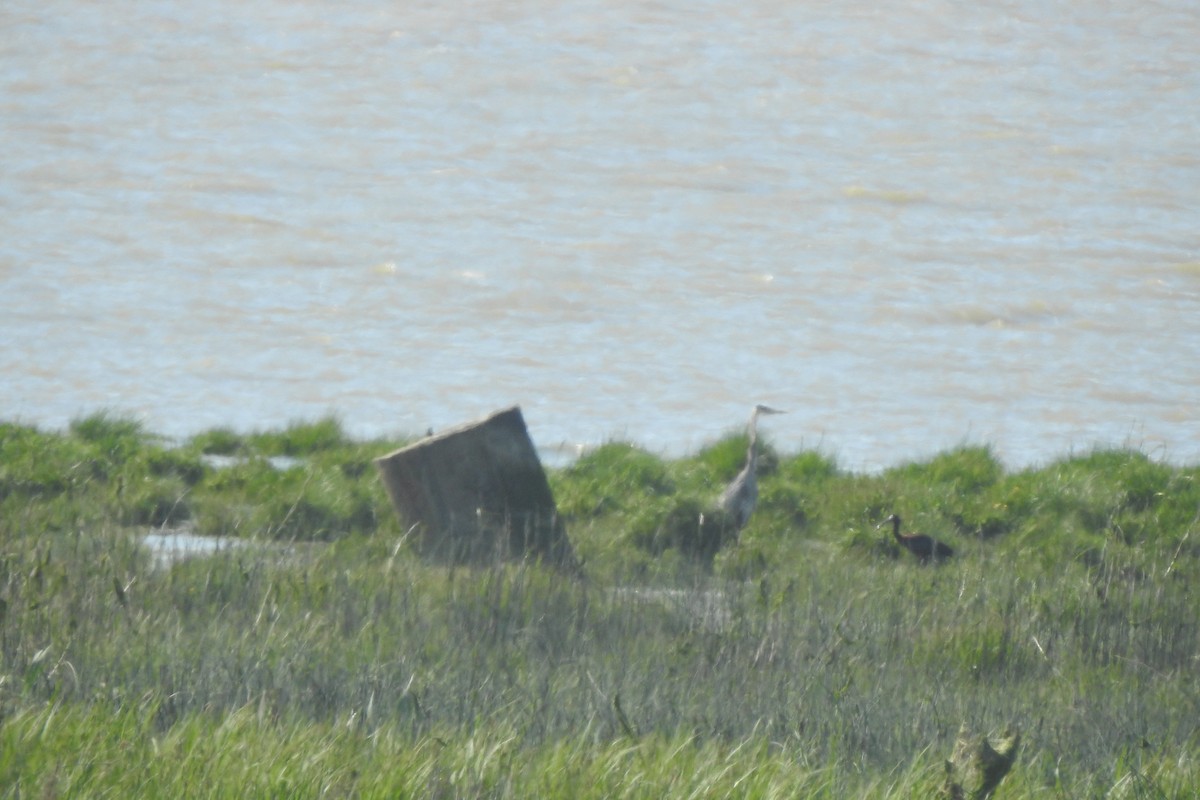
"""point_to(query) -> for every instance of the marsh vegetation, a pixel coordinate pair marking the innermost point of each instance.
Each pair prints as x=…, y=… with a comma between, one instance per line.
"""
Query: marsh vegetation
x=813, y=659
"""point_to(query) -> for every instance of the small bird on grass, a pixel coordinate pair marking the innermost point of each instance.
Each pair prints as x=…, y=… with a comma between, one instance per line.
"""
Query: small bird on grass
x=923, y=547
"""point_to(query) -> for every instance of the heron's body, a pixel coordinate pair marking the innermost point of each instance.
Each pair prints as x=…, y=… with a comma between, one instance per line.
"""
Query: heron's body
x=741, y=495
x=923, y=547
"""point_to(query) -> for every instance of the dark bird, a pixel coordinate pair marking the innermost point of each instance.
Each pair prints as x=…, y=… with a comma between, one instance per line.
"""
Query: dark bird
x=741, y=495
x=920, y=545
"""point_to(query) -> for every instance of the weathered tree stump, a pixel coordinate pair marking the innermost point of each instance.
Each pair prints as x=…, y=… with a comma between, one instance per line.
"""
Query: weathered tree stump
x=477, y=493
x=978, y=764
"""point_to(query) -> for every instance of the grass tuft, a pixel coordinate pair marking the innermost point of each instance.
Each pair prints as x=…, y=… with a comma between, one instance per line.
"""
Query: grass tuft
x=301, y=438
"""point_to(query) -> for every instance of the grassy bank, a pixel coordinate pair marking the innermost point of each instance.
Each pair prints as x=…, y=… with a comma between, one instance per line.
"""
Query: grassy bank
x=812, y=659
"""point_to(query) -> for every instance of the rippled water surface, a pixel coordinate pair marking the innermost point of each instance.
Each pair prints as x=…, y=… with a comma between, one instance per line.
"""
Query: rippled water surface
x=911, y=225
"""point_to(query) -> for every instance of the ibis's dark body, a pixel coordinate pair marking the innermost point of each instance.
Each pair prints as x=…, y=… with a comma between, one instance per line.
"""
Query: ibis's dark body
x=923, y=547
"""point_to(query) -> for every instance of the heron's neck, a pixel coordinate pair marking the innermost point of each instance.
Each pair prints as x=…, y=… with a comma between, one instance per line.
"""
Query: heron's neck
x=896, y=529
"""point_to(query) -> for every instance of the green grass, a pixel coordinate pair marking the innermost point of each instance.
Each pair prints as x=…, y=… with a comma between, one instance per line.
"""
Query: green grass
x=813, y=659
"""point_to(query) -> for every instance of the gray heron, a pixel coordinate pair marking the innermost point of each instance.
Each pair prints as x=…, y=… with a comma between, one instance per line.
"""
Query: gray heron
x=741, y=495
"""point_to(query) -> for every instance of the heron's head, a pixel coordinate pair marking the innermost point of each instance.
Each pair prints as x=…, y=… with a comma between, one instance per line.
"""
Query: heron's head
x=892, y=519
x=761, y=409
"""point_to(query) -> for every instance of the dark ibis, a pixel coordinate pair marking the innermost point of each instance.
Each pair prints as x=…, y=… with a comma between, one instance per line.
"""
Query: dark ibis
x=925, y=548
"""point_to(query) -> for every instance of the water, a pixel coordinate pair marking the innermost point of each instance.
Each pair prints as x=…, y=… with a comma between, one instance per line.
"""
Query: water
x=169, y=547
x=911, y=227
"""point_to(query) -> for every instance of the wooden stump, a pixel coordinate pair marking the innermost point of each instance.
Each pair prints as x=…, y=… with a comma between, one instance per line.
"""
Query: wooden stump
x=477, y=493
